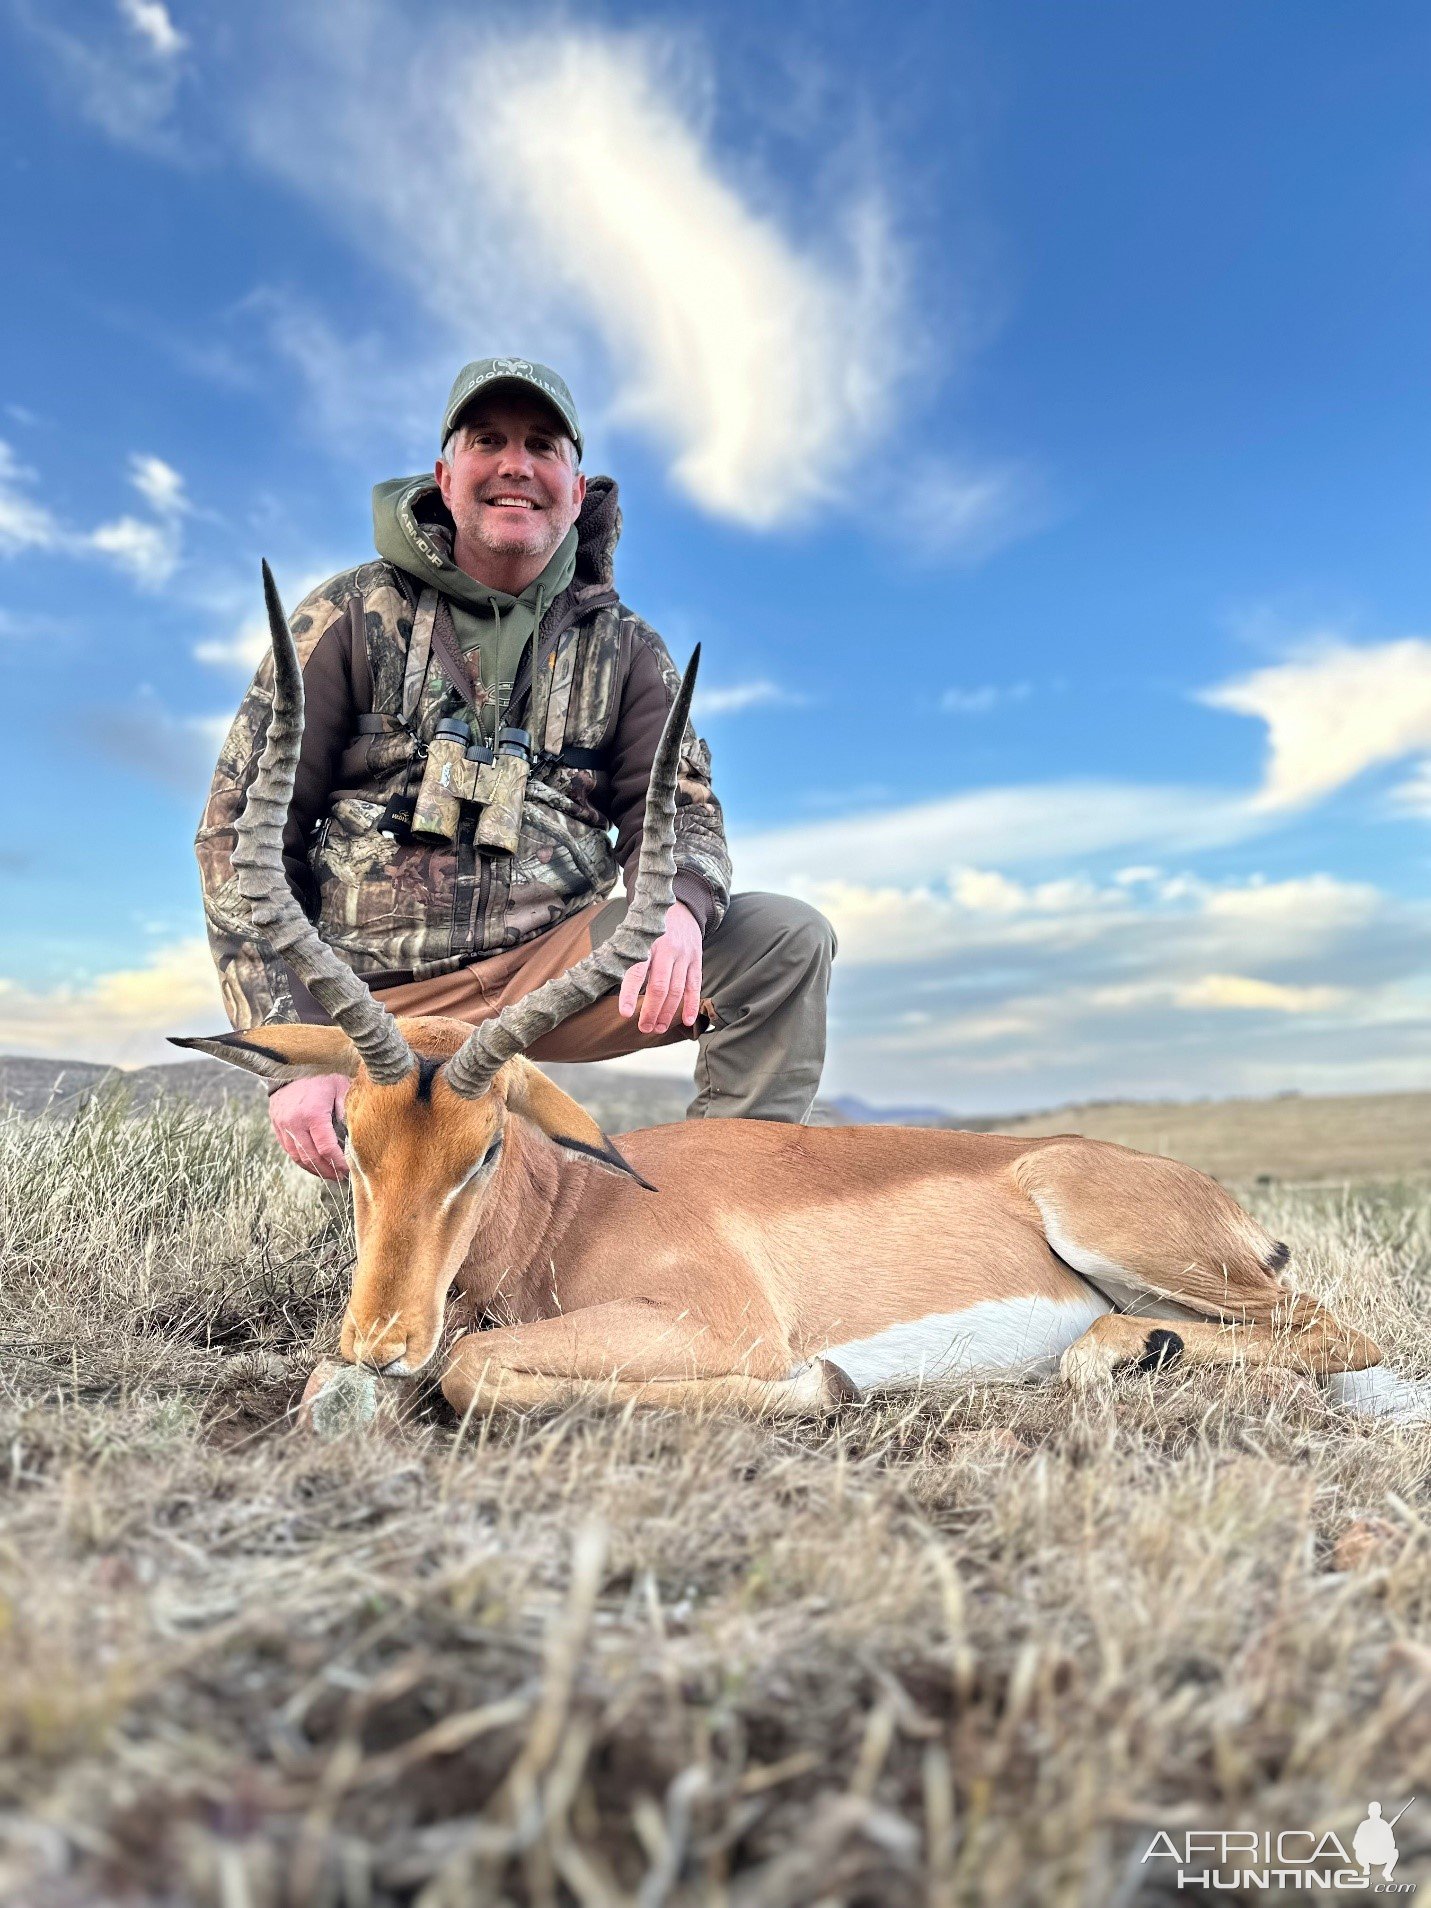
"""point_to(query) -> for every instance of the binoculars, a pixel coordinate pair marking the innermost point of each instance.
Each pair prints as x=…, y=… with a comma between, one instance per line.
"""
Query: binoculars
x=459, y=771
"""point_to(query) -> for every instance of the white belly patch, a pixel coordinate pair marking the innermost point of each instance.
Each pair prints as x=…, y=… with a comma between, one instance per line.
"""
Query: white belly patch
x=996, y=1335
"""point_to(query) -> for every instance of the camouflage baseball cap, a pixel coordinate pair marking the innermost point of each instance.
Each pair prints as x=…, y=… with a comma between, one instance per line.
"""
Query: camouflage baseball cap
x=476, y=376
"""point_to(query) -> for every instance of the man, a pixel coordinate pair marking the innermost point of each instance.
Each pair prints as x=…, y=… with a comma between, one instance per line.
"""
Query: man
x=493, y=603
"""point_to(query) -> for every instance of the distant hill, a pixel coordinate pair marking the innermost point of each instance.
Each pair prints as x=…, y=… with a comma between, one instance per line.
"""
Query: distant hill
x=619, y=1099
x=856, y=1112
x=60, y=1086
x=1296, y=1137
x=1292, y=1137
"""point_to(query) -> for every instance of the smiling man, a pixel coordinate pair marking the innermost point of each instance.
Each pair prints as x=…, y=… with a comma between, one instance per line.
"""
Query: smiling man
x=493, y=605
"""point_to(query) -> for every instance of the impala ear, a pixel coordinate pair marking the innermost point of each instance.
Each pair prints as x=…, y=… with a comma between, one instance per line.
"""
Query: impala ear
x=282, y=1052
x=528, y=1091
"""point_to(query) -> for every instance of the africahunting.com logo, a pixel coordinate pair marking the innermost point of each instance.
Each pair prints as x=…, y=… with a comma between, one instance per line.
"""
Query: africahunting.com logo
x=1238, y=1859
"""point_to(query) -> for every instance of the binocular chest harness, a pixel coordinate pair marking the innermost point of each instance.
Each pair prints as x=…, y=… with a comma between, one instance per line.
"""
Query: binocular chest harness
x=460, y=779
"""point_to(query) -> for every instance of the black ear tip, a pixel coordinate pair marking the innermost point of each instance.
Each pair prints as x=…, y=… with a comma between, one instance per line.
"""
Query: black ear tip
x=178, y=1040
x=618, y=1159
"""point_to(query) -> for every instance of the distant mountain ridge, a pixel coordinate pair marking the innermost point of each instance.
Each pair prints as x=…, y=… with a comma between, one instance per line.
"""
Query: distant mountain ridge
x=619, y=1099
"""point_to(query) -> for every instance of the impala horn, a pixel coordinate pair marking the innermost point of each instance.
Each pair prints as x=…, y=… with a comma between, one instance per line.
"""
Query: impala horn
x=258, y=860
x=523, y=1022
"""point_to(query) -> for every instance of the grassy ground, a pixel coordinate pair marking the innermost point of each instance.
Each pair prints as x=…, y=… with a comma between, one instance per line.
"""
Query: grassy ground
x=974, y=1647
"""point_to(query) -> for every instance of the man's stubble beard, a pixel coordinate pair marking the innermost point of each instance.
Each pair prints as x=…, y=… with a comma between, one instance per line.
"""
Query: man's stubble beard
x=475, y=529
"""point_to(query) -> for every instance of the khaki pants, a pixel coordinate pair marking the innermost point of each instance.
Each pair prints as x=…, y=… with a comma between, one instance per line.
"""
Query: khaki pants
x=764, y=977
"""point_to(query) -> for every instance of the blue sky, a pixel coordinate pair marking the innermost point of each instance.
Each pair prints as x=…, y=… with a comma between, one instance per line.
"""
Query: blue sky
x=1027, y=407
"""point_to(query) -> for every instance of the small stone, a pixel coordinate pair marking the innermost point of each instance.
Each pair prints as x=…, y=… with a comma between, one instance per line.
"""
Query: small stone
x=338, y=1403
x=1367, y=1542
x=342, y=1400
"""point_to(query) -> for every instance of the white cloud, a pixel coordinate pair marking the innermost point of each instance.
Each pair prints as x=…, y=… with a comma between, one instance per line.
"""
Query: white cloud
x=1307, y=905
x=1332, y=713
x=1013, y=826
x=959, y=510
x=149, y=552
x=159, y=484
x=115, y=71
x=120, y=1017
x=148, y=549
x=360, y=393
x=1244, y=992
x=573, y=203
x=982, y=992
x=740, y=696
x=987, y=696
x=24, y=523
x=150, y=20
x=1414, y=794
x=759, y=361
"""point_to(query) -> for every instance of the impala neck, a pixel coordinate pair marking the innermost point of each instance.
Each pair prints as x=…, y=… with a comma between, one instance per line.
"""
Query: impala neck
x=510, y=1264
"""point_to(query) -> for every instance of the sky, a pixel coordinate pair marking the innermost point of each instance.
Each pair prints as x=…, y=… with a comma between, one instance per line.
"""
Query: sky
x=1026, y=406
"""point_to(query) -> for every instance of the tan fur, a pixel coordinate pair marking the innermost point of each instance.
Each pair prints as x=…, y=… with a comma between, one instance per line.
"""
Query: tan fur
x=763, y=1246
x=1323, y=1346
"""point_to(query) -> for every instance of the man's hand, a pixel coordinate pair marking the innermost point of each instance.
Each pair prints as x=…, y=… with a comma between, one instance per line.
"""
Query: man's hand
x=670, y=974
x=304, y=1115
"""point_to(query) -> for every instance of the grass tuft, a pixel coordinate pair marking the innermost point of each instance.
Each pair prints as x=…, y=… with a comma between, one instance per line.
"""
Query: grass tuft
x=975, y=1645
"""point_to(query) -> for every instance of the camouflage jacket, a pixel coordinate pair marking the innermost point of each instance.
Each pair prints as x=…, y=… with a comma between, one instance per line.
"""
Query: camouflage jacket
x=399, y=909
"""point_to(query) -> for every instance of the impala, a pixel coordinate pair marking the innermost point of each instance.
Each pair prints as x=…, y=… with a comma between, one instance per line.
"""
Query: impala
x=729, y=1262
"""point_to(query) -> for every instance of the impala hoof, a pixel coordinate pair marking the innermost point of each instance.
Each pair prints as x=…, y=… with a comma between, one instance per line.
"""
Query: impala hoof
x=1087, y=1365
x=840, y=1388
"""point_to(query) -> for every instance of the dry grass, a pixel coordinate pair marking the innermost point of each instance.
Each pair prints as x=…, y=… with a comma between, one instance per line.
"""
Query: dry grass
x=975, y=1646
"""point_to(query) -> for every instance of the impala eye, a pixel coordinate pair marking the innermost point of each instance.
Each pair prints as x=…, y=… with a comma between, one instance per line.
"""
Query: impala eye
x=489, y=1158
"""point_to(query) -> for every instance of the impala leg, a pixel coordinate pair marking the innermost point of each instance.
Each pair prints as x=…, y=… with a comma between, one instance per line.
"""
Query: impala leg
x=627, y=1352
x=1308, y=1339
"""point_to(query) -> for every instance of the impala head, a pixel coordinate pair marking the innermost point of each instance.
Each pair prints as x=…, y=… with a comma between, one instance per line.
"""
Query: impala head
x=433, y=1102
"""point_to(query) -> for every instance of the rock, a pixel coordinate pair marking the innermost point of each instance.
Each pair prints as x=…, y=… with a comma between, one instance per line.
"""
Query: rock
x=341, y=1400
x=1366, y=1543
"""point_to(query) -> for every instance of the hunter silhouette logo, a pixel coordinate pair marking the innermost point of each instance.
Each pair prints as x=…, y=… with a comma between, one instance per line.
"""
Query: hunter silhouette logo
x=1374, y=1845
x=1209, y=1860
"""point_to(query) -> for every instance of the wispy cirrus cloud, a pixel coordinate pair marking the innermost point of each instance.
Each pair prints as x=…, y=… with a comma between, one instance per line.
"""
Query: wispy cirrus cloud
x=983, y=699
x=120, y=69
x=575, y=202
x=963, y=510
x=573, y=194
x=736, y=697
x=25, y=522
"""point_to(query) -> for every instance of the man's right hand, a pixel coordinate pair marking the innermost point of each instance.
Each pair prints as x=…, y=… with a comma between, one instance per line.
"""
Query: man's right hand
x=304, y=1115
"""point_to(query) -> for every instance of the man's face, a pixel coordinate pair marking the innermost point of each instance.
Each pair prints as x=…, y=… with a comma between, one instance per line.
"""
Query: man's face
x=512, y=486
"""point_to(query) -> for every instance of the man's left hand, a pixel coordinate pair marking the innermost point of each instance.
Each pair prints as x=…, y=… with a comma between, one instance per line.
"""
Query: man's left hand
x=670, y=975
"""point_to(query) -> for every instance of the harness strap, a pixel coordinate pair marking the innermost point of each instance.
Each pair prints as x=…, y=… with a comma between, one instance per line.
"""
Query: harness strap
x=419, y=653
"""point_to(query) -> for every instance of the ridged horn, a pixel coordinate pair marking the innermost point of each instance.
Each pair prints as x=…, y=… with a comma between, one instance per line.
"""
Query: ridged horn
x=521, y=1024
x=258, y=862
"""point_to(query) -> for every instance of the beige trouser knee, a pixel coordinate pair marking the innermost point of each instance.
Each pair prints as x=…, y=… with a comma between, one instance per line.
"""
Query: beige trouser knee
x=765, y=975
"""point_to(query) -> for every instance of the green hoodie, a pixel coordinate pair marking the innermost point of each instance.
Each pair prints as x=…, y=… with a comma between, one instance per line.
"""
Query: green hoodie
x=412, y=529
